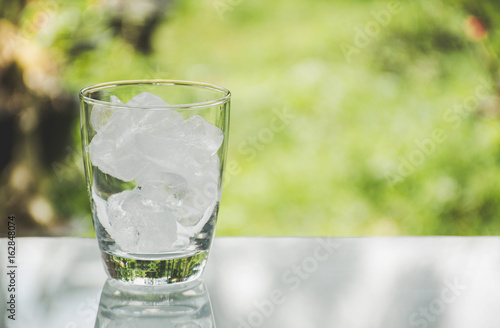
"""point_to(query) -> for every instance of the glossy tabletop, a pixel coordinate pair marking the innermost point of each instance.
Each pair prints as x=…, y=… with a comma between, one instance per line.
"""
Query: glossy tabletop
x=375, y=282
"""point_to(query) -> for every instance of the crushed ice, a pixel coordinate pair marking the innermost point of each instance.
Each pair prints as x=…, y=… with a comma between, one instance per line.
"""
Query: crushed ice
x=173, y=162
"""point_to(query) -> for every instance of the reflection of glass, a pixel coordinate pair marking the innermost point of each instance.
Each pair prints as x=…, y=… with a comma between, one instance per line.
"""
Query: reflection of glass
x=154, y=154
x=127, y=306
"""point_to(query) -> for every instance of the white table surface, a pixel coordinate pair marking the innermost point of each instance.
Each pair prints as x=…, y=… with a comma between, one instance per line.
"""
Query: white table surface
x=374, y=282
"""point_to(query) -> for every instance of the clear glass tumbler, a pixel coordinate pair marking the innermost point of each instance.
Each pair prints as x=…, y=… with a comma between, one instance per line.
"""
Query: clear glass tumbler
x=154, y=154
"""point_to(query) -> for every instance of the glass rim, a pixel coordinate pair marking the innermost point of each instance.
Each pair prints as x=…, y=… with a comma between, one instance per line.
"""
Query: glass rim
x=107, y=85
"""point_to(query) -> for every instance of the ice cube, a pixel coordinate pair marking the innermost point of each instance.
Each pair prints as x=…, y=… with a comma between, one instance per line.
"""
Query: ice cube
x=194, y=208
x=203, y=135
x=171, y=155
x=201, y=195
x=110, y=147
x=171, y=187
x=101, y=114
x=180, y=151
x=139, y=223
x=147, y=100
x=113, y=148
x=100, y=208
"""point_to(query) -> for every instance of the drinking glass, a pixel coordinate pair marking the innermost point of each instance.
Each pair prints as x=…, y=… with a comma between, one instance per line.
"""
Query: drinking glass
x=154, y=154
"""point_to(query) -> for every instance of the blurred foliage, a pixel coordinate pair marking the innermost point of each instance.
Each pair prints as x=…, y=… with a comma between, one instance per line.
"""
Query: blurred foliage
x=397, y=135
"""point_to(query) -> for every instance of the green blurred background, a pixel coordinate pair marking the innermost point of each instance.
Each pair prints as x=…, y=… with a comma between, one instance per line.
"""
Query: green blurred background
x=348, y=118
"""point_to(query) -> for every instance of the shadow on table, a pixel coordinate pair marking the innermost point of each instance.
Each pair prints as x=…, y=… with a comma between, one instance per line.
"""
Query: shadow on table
x=128, y=306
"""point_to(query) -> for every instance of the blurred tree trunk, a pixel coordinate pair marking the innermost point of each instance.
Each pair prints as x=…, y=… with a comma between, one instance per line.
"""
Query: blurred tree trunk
x=37, y=117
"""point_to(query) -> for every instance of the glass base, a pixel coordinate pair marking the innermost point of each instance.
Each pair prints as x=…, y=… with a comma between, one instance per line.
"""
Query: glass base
x=155, y=272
